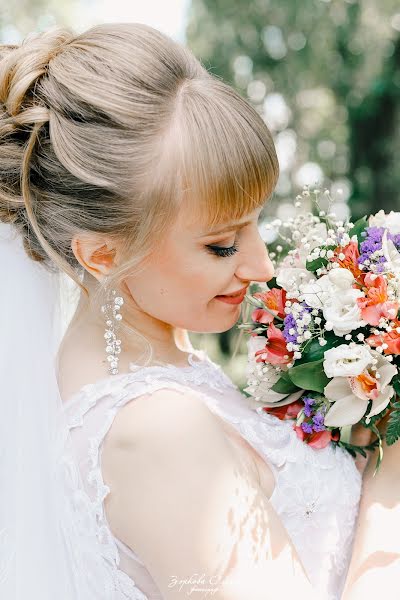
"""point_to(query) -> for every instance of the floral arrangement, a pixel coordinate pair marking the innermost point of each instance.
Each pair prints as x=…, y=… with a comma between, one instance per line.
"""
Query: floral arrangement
x=324, y=346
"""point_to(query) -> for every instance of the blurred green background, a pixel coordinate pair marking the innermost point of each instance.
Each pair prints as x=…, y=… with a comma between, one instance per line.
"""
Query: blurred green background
x=324, y=74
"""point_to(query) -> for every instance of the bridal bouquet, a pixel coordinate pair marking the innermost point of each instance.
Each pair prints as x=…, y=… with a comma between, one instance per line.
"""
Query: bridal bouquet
x=324, y=346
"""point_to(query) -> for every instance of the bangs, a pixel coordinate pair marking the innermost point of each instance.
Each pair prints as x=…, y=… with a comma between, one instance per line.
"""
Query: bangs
x=228, y=163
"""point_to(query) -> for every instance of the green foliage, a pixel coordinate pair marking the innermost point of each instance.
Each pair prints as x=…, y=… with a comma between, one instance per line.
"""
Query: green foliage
x=393, y=425
x=284, y=385
x=354, y=450
x=309, y=376
x=336, y=67
x=318, y=263
x=272, y=283
x=312, y=351
x=396, y=384
x=359, y=227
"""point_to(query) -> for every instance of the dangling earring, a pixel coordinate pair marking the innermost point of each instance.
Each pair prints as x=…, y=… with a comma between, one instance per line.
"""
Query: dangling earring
x=112, y=316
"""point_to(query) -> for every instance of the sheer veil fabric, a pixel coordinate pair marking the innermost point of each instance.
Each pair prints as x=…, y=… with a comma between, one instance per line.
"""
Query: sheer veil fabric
x=48, y=546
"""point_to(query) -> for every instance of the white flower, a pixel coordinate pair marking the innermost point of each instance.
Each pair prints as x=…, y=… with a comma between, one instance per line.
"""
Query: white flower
x=317, y=292
x=391, y=255
x=347, y=360
x=341, y=278
x=342, y=311
x=290, y=278
x=314, y=236
x=350, y=395
x=390, y=221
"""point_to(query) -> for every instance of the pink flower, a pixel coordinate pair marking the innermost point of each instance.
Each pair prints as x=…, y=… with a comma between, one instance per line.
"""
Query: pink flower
x=391, y=338
x=375, y=304
x=274, y=300
x=275, y=351
x=259, y=315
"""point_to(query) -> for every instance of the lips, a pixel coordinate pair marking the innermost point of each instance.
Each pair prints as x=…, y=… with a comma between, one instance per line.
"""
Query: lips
x=241, y=292
x=235, y=298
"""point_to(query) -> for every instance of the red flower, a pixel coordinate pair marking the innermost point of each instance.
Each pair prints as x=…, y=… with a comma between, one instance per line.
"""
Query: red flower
x=350, y=261
x=284, y=413
x=317, y=439
x=275, y=351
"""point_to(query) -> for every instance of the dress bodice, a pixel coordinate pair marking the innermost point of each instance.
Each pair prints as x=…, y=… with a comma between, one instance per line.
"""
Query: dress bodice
x=316, y=494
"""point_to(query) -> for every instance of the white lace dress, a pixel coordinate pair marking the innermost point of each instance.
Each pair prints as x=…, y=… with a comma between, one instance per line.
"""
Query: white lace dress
x=316, y=492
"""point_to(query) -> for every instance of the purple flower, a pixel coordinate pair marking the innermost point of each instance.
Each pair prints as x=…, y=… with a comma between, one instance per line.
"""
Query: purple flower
x=308, y=402
x=307, y=427
x=318, y=422
x=373, y=242
x=289, y=323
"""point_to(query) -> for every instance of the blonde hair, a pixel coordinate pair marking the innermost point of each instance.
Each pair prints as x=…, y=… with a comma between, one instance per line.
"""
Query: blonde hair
x=110, y=131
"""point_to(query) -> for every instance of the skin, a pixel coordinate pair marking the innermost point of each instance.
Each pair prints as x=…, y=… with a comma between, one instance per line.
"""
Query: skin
x=176, y=291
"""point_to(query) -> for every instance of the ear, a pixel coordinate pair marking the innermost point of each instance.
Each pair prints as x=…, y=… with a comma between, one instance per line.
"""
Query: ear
x=95, y=255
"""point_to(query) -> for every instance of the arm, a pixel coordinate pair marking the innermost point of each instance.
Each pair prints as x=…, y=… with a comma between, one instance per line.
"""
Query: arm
x=181, y=501
x=375, y=563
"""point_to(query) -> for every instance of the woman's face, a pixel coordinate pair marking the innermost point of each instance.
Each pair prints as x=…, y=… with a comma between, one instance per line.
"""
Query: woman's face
x=192, y=268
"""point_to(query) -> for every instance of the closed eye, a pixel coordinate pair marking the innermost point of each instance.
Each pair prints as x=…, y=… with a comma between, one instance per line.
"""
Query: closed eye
x=222, y=251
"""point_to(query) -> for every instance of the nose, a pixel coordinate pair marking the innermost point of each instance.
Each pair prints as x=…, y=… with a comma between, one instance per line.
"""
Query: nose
x=255, y=263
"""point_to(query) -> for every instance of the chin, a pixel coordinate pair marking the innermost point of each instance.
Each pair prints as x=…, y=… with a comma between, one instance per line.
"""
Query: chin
x=220, y=327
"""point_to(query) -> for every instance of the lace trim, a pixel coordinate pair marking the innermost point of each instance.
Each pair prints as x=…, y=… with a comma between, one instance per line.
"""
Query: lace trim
x=196, y=373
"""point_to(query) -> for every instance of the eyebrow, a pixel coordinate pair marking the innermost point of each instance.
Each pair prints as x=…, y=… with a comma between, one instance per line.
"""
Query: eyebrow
x=227, y=228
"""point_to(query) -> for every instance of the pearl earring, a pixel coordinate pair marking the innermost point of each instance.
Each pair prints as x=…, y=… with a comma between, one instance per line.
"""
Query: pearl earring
x=112, y=316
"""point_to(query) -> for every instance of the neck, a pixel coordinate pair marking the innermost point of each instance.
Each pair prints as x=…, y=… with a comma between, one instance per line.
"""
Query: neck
x=169, y=343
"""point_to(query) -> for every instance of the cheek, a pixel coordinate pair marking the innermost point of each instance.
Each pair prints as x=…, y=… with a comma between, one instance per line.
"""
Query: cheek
x=182, y=286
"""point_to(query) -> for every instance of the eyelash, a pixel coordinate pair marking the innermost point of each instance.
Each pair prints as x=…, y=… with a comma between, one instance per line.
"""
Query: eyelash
x=221, y=251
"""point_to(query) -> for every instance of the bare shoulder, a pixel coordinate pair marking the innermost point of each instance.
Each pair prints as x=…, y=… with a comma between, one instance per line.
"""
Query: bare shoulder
x=167, y=415
x=184, y=503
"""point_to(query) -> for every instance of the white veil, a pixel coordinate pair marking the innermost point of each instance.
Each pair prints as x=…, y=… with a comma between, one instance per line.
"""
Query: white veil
x=48, y=545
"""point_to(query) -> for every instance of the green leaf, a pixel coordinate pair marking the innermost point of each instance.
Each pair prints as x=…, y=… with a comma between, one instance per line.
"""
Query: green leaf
x=396, y=384
x=358, y=228
x=312, y=350
x=284, y=385
x=309, y=376
x=272, y=283
x=353, y=450
x=393, y=427
x=318, y=263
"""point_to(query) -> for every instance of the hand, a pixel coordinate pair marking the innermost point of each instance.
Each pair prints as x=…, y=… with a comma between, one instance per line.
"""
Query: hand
x=360, y=436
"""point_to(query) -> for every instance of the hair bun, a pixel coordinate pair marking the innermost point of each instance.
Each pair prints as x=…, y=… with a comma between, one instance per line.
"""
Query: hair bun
x=21, y=66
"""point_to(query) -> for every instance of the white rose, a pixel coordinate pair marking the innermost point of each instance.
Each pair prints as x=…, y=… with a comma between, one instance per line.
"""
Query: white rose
x=341, y=278
x=343, y=312
x=290, y=278
x=390, y=221
x=317, y=292
x=347, y=360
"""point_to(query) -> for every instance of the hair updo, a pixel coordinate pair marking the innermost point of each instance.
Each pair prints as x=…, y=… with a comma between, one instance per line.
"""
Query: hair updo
x=110, y=131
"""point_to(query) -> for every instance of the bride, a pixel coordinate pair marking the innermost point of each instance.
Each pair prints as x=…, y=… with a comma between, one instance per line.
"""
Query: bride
x=128, y=167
